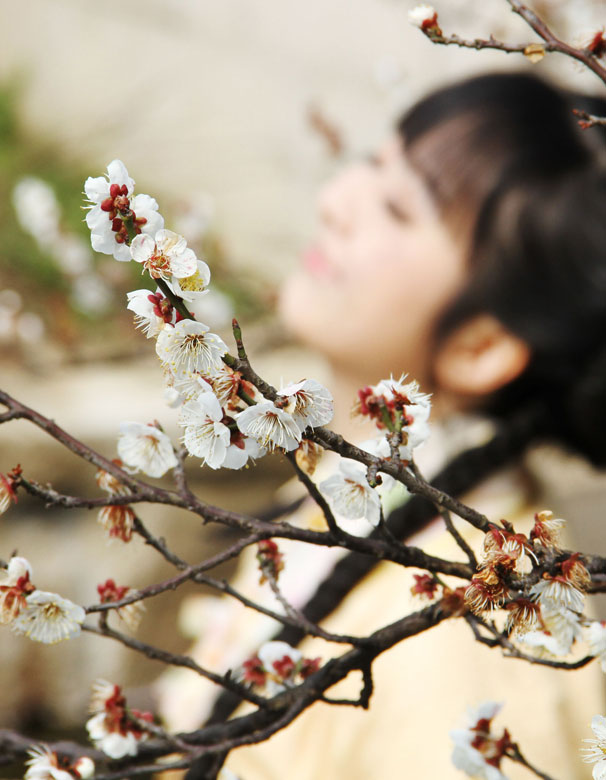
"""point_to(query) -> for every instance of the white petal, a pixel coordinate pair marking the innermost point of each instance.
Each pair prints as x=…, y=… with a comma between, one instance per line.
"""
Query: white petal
x=142, y=248
x=96, y=188
x=118, y=174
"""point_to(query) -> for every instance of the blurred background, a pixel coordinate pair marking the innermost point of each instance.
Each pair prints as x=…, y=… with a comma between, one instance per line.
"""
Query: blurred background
x=231, y=114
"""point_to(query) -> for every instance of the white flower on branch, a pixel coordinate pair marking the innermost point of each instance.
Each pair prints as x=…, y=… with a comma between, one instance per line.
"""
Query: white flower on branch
x=15, y=585
x=131, y=613
x=189, y=347
x=49, y=618
x=109, y=483
x=112, y=743
x=279, y=661
x=146, y=448
x=596, y=639
x=309, y=403
x=596, y=754
x=194, y=285
x=152, y=311
x=118, y=520
x=425, y=17
x=555, y=592
x=44, y=764
x=397, y=406
x=164, y=255
x=205, y=435
x=547, y=530
x=350, y=494
x=112, y=728
x=560, y=629
x=111, y=202
x=270, y=426
x=477, y=752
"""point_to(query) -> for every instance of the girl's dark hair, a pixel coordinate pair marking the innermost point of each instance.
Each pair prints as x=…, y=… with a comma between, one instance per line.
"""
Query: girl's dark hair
x=508, y=164
x=517, y=179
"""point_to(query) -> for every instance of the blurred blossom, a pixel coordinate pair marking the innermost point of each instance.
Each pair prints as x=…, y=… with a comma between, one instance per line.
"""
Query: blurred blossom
x=91, y=294
x=72, y=254
x=10, y=301
x=17, y=325
x=39, y=214
x=195, y=216
x=37, y=209
x=215, y=308
x=29, y=327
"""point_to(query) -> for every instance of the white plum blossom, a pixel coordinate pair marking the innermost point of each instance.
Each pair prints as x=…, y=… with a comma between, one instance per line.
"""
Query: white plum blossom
x=421, y=15
x=561, y=628
x=596, y=754
x=309, y=403
x=143, y=303
x=350, y=494
x=15, y=584
x=596, y=639
x=49, y=618
x=110, y=198
x=164, y=255
x=189, y=347
x=146, y=448
x=43, y=764
x=555, y=593
x=112, y=743
x=276, y=658
x=112, y=728
x=397, y=405
x=205, y=435
x=474, y=746
x=270, y=426
x=240, y=451
x=194, y=285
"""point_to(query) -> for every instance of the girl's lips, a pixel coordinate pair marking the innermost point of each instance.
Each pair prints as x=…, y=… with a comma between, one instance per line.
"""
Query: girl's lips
x=317, y=263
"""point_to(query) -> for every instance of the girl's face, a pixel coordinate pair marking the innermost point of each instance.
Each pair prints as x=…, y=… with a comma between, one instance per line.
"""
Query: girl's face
x=381, y=269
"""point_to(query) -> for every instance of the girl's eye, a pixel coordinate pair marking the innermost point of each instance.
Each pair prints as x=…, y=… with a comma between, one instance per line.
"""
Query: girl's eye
x=396, y=211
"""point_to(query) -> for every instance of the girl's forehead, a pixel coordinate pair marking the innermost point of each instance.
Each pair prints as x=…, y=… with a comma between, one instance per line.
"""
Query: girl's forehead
x=402, y=177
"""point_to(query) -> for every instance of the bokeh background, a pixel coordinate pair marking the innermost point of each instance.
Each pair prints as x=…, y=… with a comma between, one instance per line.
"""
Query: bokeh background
x=231, y=114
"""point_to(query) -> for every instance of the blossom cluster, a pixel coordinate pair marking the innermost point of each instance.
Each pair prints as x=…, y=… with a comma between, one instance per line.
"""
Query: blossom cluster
x=477, y=752
x=225, y=420
x=548, y=618
x=114, y=728
x=401, y=413
x=40, y=615
x=277, y=666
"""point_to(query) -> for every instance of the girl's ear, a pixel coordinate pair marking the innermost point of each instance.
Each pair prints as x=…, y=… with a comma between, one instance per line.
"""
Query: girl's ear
x=479, y=357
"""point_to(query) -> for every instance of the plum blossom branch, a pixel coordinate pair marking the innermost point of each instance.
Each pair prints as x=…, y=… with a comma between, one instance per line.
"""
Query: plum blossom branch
x=555, y=44
x=533, y=50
